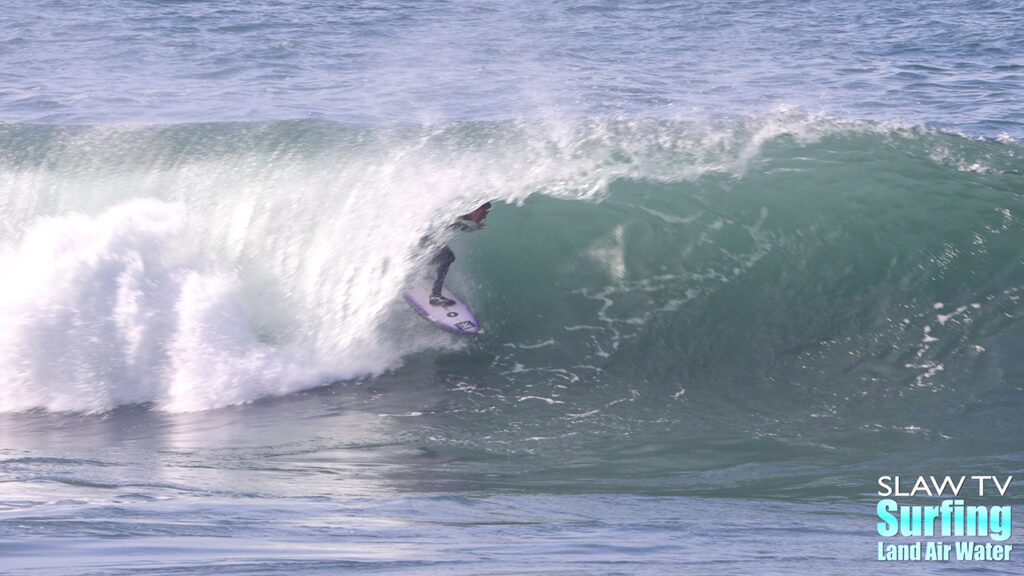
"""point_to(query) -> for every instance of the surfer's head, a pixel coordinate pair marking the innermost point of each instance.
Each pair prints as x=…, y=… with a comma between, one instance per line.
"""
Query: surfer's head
x=479, y=214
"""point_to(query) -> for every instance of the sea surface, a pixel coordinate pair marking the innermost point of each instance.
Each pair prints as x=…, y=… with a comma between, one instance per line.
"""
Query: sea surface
x=747, y=262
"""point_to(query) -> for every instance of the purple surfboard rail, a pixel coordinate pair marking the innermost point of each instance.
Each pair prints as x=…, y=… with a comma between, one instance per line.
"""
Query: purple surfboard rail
x=457, y=318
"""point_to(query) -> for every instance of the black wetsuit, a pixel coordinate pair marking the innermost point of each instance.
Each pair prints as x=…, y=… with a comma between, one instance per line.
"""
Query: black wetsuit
x=443, y=259
x=443, y=256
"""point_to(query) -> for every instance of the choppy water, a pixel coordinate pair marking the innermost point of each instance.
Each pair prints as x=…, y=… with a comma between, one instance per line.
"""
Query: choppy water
x=744, y=259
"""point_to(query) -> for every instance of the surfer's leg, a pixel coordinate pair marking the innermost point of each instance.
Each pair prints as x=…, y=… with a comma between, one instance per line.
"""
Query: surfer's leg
x=443, y=259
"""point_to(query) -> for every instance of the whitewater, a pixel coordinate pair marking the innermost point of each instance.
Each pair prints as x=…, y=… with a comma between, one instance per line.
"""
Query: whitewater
x=744, y=260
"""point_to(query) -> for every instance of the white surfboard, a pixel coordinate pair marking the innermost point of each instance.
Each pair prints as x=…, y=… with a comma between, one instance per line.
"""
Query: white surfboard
x=457, y=318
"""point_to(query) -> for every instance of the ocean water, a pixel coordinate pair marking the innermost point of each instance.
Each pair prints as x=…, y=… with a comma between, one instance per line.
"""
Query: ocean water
x=746, y=260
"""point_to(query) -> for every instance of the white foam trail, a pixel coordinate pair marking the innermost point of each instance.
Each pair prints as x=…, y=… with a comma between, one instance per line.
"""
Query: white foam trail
x=95, y=318
x=215, y=360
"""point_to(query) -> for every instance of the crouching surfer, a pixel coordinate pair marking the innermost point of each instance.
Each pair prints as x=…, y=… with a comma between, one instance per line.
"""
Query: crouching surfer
x=444, y=257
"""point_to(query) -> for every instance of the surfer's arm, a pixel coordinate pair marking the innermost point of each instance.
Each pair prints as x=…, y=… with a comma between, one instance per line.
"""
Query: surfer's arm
x=467, y=225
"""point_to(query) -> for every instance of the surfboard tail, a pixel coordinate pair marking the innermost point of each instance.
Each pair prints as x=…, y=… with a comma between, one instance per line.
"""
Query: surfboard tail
x=457, y=318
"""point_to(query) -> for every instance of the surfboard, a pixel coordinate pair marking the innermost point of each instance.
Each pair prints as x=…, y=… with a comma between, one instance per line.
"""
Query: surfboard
x=457, y=318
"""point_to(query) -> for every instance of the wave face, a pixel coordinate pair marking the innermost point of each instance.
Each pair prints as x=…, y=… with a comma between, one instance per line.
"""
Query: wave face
x=771, y=273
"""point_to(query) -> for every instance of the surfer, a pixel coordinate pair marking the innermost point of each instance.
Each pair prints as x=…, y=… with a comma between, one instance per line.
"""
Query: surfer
x=444, y=256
